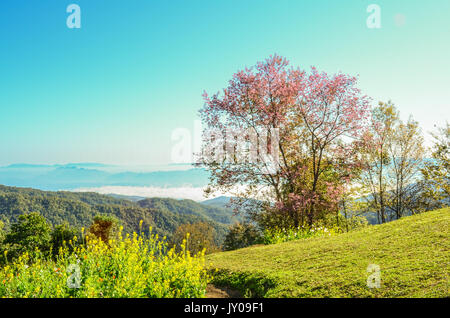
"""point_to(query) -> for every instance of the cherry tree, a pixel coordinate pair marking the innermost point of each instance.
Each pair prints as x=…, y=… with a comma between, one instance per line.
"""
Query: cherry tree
x=318, y=120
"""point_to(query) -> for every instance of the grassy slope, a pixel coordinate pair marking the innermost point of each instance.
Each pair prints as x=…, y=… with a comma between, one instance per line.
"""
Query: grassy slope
x=413, y=254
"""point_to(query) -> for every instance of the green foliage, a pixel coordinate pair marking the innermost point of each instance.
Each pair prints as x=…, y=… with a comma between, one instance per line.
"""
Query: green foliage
x=327, y=226
x=198, y=237
x=280, y=235
x=79, y=210
x=436, y=172
x=2, y=233
x=341, y=223
x=352, y=223
x=189, y=207
x=62, y=234
x=30, y=233
x=412, y=254
x=131, y=266
x=2, y=237
x=241, y=235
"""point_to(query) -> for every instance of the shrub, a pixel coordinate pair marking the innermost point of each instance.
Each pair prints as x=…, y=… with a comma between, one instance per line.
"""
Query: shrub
x=60, y=235
x=328, y=226
x=342, y=224
x=104, y=227
x=198, y=236
x=242, y=235
x=280, y=235
x=131, y=266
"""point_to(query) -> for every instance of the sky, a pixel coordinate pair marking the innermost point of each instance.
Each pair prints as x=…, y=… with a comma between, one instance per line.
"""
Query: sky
x=114, y=90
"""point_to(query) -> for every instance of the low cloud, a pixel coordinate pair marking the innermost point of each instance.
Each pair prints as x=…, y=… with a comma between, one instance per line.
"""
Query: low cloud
x=192, y=193
x=186, y=192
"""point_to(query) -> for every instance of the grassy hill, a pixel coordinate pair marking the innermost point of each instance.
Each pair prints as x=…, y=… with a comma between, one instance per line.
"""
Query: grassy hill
x=413, y=254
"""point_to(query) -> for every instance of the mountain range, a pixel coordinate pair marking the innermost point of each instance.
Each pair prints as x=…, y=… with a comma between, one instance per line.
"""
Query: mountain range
x=89, y=175
x=164, y=215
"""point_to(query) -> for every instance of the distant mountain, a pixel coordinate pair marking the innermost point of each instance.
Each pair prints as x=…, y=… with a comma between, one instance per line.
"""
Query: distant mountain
x=65, y=177
x=88, y=175
x=78, y=165
x=87, y=165
x=126, y=197
x=26, y=166
x=79, y=209
x=221, y=201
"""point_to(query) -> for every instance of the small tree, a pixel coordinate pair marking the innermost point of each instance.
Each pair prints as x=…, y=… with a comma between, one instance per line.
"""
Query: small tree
x=31, y=232
x=392, y=154
x=406, y=152
x=376, y=157
x=436, y=172
x=104, y=227
x=61, y=235
x=199, y=236
x=241, y=235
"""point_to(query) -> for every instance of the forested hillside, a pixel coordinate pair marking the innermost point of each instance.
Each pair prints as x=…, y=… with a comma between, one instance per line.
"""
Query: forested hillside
x=217, y=213
x=79, y=209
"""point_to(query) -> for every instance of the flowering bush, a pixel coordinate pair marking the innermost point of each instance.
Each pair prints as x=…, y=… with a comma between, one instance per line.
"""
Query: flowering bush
x=131, y=266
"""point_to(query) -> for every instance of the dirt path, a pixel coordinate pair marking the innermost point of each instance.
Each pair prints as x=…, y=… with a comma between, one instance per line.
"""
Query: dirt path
x=221, y=292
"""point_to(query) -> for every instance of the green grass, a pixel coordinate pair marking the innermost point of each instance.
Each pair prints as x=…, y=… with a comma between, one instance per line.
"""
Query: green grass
x=413, y=254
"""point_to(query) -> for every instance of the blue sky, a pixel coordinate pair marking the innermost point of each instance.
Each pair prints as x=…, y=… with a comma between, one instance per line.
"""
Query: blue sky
x=114, y=90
